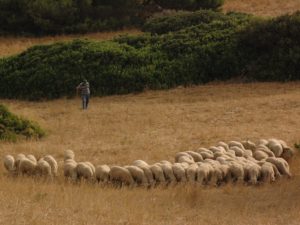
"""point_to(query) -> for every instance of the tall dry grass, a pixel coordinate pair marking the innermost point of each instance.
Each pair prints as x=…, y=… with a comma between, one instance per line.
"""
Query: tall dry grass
x=262, y=7
x=13, y=45
x=154, y=126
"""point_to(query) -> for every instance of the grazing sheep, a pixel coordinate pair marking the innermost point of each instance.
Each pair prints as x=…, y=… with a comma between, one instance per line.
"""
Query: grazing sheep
x=52, y=162
x=120, y=176
x=102, y=173
x=91, y=166
x=84, y=170
x=288, y=152
x=224, y=145
x=238, y=151
x=158, y=173
x=184, y=157
x=248, y=153
x=204, y=173
x=9, y=163
x=70, y=169
x=260, y=155
x=275, y=146
x=43, y=168
x=237, y=172
x=179, y=172
x=237, y=144
x=205, y=153
x=262, y=142
x=168, y=172
x=69, y=154
x=140, y=163
x=196, y=156
x=252, y=172
x=32, y=158
x=18, y=159
x=27, y=166
x=191, y=173
x=267, y=172
x=249, y=145
x=138, y=175
x=282, y=165
x=266, y=150
x=148, y=173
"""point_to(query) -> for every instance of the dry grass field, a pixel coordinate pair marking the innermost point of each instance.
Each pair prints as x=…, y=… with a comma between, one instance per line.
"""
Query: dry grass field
x=154, y=126
x=262, y=7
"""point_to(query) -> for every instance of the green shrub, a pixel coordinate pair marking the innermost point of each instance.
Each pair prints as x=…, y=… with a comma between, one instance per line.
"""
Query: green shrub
x=13, y=127
x=271, y=49
x=216, y=49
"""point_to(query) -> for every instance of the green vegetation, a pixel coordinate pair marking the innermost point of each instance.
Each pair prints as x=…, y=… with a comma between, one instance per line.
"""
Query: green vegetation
x=13, y=127
x=40, y=17
x=185, y=49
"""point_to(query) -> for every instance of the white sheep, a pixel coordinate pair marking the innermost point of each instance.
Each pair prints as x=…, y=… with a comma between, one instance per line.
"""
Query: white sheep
x=179, y=172
x=252, y=172
x=196, y=156
x=249, y=145
x=9, y=163
x=32, y=158
x=238, y=151
x=27, y=166
x=52, y=162
x=287, y=151
x=91, y=166
x=84, y=170
x=204, y=173
x=18, y=159
x=224, y=145
x=236, y=171
x=265, y=149
x=184, y=157
x=158, y=173
x=102, y=173
x=191, y=173
x=148, y=173
x=236, y=143
x=138, y=175
x=275, y=146
x=267, y=172
x=69, y=154
x=205, y=153
x=281, y=164
x=168, y=172
x=43, y=168
x=260, y=155
x=120, y=176
x=140, y=163
x=70, y=169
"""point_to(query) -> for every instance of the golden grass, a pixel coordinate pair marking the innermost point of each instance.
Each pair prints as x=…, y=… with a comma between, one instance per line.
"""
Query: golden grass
x=14, y=45
x=154, y=126
x=262, y=7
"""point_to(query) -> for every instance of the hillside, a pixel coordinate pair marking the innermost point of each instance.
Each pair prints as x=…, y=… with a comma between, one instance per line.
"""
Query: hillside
x=262, y=7
x=154, y=126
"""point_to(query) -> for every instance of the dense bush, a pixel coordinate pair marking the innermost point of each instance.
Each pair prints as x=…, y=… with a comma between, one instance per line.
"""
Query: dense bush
x=271, y=49
x=13, y=127
x=40, y=17
x=216, y=49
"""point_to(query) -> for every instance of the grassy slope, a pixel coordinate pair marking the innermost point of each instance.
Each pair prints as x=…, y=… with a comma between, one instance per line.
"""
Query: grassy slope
x=154, y=126
x=262, y=7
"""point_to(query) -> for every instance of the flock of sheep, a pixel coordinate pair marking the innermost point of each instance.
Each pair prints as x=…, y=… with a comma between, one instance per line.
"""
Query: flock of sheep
x=234, y=162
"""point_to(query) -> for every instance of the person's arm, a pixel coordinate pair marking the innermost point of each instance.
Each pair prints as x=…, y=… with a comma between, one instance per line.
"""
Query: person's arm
x=78, y=88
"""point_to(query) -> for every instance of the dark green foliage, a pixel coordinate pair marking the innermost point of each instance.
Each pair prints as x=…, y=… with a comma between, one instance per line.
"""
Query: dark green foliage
x=190, y=4
x=271, y=49
x=13, y=127
x=40, y=17
x=218, y=47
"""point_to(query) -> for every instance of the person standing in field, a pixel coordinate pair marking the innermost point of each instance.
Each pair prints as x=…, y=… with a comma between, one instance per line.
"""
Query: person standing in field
x=84, y=88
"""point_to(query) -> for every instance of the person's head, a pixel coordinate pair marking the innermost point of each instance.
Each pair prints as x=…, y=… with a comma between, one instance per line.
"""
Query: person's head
x=85, y=81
